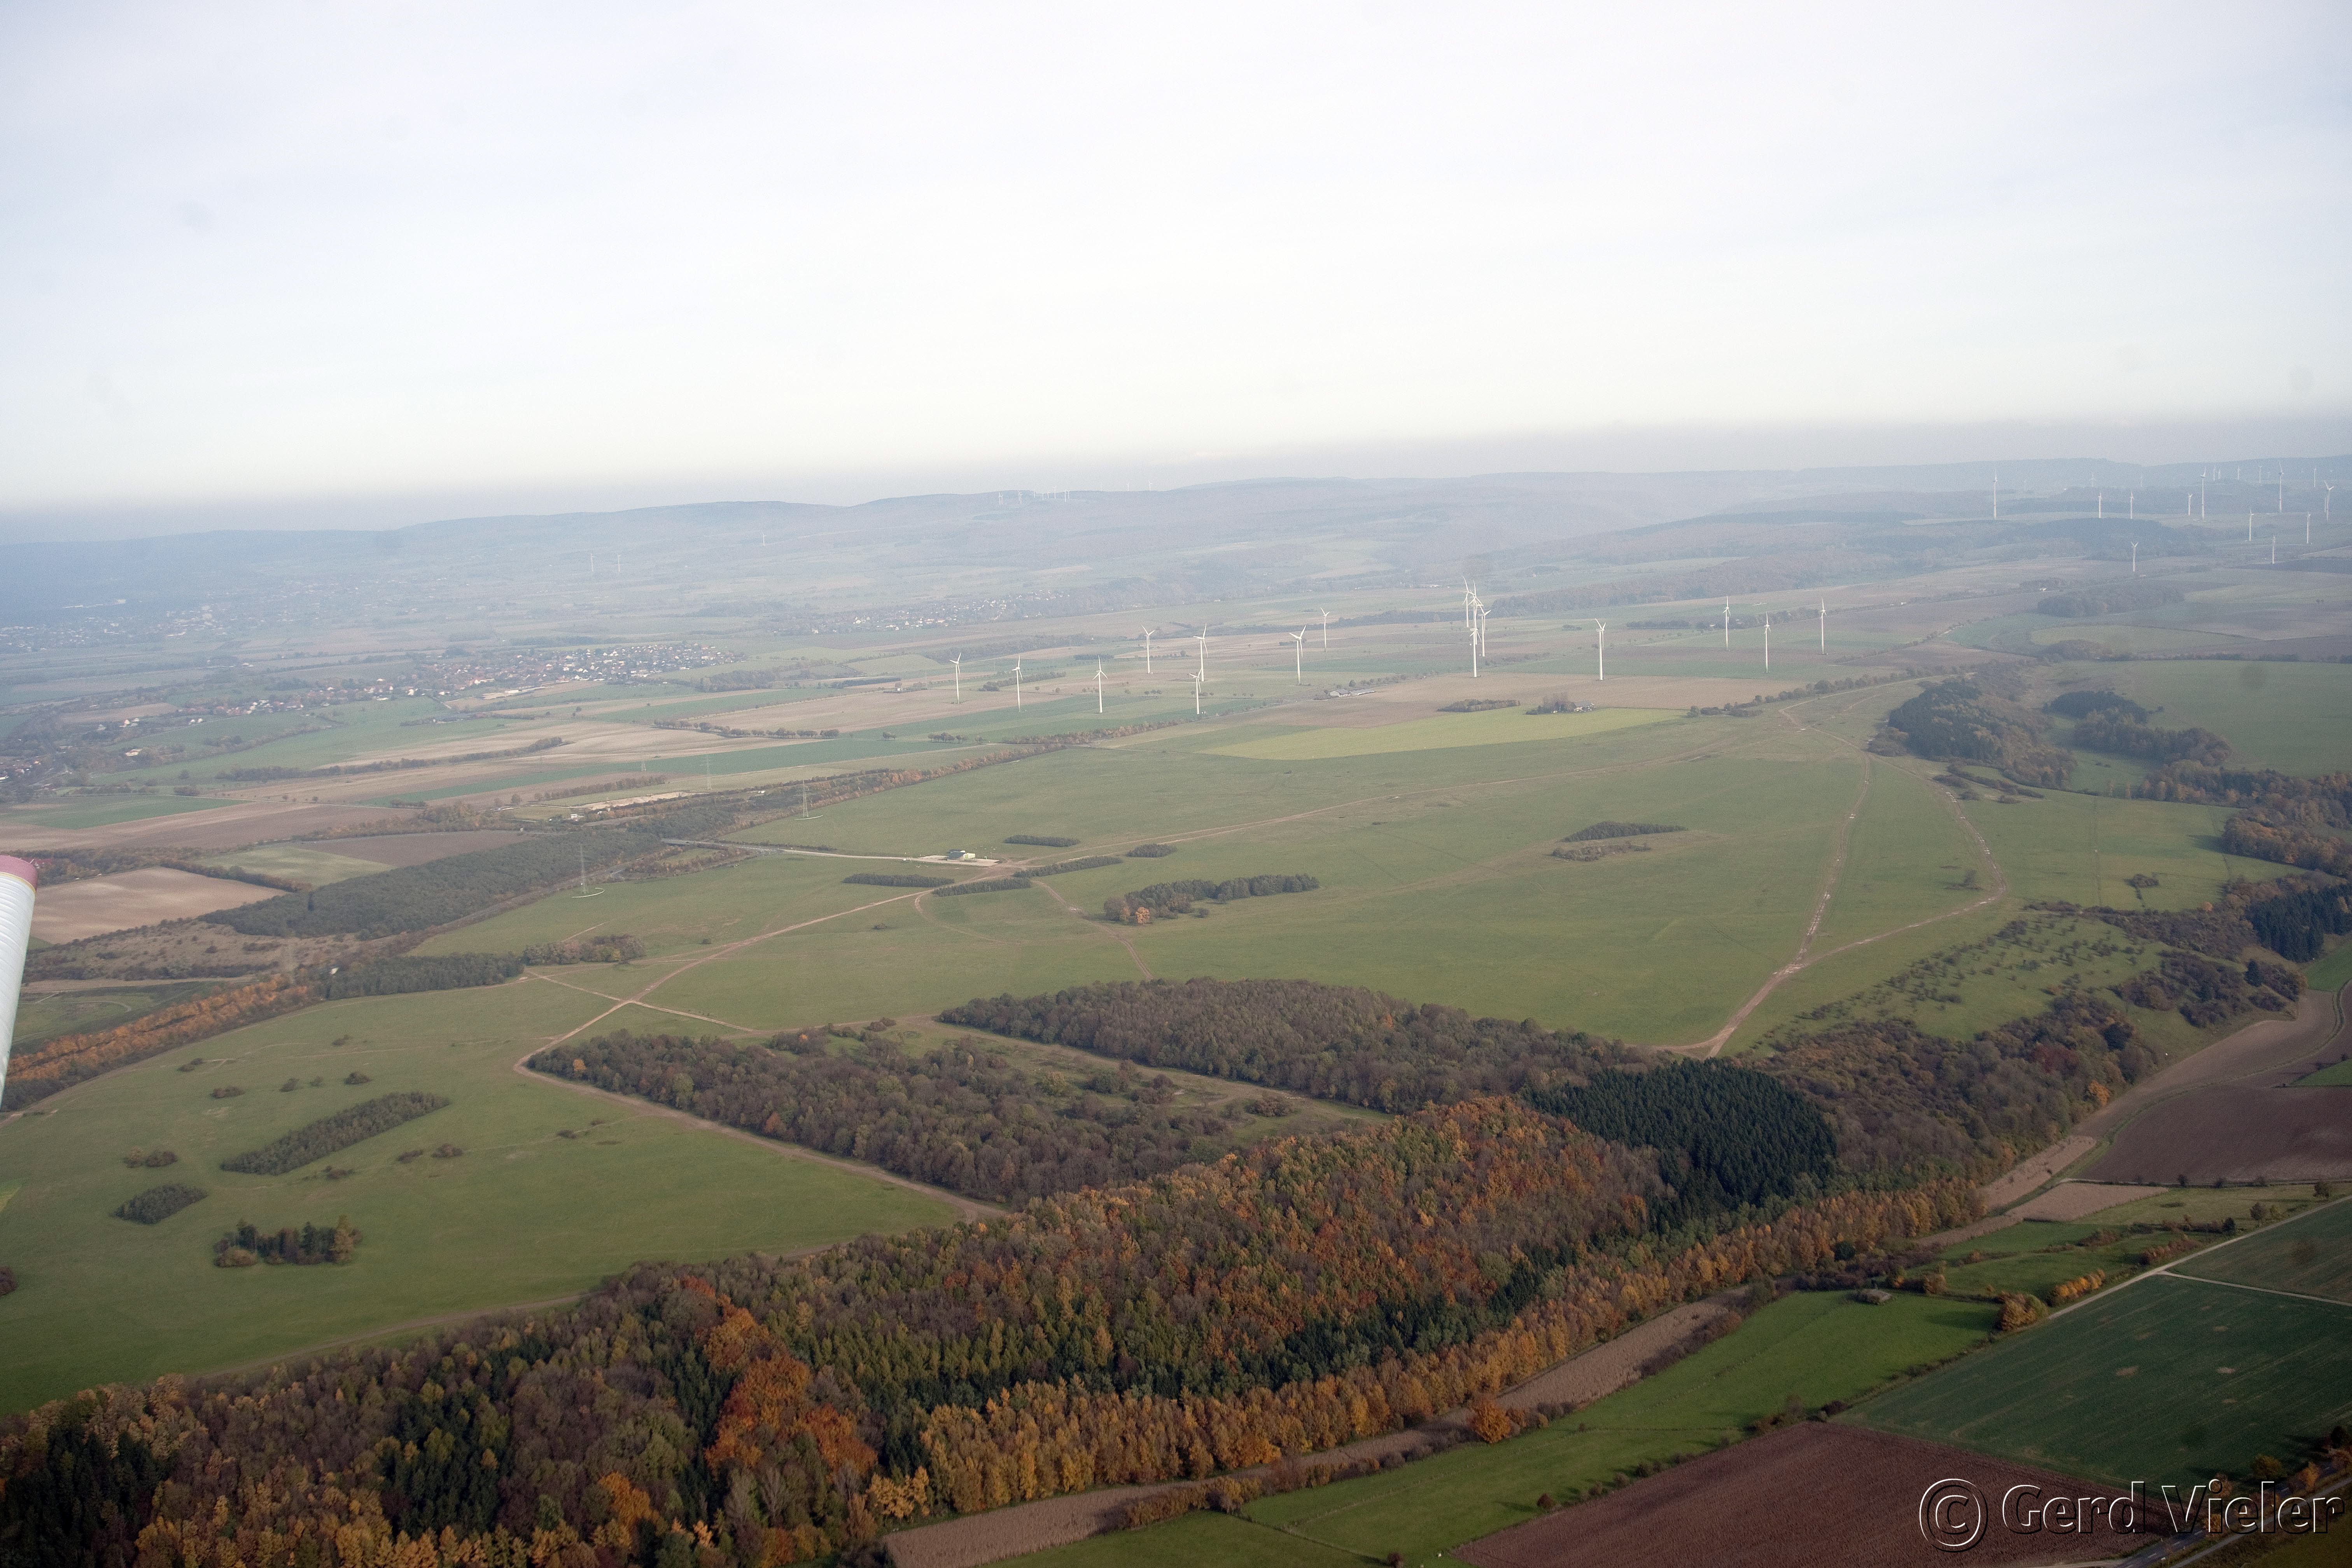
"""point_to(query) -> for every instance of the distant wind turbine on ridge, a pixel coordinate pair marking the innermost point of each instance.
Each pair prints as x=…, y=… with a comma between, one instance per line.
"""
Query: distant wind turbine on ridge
x=1016, y=683
x=1727, y=623
x=1147, y=650
x=1197, y=679
x=1327, y=631
x=1203, y=638
x=958, y=661
x=1600, y=649
x=1299, y=655
x=1099, y=683
x=1825, y=625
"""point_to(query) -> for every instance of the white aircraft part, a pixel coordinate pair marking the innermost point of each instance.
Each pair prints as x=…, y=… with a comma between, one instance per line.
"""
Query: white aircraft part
x=17, y=880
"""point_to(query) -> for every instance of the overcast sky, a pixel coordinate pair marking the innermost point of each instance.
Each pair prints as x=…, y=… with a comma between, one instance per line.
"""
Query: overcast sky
x=329, y=256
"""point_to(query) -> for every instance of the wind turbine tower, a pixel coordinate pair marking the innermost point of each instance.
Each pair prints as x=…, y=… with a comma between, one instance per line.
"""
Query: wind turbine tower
x=1768, y=642
x=1727, y=624
x=1825, y=625
x=1147, y=650
x=1601, y=651
x=1098, y=680
x=1016, y=685
x=1327, y=631
x=1298, y=655
x=1203, y=640
x=1483, y=614
x=1197, y=679
x=1474, y=655
x=957, y=662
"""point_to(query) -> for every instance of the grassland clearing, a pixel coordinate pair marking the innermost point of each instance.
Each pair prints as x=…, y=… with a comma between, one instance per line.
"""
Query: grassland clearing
x=2332, y=973
x=2310, y=1255
x=2291, y=717
x=101, y=1301
x=2167, y=1381
x=1503, y=726
x=300, y=863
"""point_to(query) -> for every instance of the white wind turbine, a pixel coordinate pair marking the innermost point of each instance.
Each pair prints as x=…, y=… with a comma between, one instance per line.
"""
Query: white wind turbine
x=1298, y=655
x=1016, y=683
x=1600, y=649
x=1197, y=679
x=1727, y=623
x=1483, y=613
x=957, y=662
x=1099, y=683
x=2328, y=504
x=1767, y=640
x=1147, y=650
x=1327, y=631
x=1203, y=638
x=1825, y=625
x=1474, y=655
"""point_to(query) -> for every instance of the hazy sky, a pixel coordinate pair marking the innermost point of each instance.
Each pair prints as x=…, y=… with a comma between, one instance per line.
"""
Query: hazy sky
x=271, y=251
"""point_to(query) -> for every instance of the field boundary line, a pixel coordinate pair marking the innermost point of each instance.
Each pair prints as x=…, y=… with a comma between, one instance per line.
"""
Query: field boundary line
x=2259, y=1289
x=2164, y=1270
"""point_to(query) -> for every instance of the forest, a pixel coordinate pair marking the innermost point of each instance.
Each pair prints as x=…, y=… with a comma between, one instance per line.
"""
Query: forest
x=246, y=1246
x=1333, y=1042
x=896, y=879
x=958, y=1118
x=417, y=897
x=1298, y=1294
x=392, y=976
x=1962, y=718
x=1164, y=899
x=341, y=1131
x=1617, y=830
x=2082, y=704
x=1906, y=1102
x=2109, y=730
x=157, y=1204
x=1727, y=1135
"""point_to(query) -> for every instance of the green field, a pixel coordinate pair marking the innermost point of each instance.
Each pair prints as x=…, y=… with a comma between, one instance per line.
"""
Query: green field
x=1493, y=728
x=2167, y=1380
x=525, y=1214
x=102, y=811
x=1813, y=1348
x=2297, y=718
x=358, y=730
x=2333, y=971
x=316, y=866
x=2310, y=1255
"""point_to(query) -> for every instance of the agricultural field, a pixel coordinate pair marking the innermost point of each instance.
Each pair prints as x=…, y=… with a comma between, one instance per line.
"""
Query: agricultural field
x=1810, y=1349
x=2310, y=1256
x=2167, y=1380
x=46, y=1015
x=299, y=863
x=152, y=893
x=100, y=1299
x=99, y=811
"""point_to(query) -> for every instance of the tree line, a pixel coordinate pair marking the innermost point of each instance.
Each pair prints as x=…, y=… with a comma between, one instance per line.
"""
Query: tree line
x=1298, y=1294
x=246, y=1246
x=405, y=973
x=2108, y=731
x=157, y=1204
x=1164, y=899
x=341, y=1131
x=71, y=1059
x=959, y=1118
x=1962, y=718
x=1332, y=1042
x=2108, y=598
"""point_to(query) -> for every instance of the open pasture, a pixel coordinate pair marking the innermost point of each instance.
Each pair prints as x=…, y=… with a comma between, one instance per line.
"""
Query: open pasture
x=2297, y=718
x=2166, y=1381
x=525, y=1214
x=1495, y=727
x=1436, y=879
x=2310, y=1255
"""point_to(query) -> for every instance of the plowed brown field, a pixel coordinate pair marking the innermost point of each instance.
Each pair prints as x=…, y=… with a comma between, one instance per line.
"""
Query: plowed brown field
x=1822, y=1495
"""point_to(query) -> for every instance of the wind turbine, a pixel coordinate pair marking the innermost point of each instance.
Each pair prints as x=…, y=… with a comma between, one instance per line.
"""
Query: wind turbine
x=2135, y=557
x=1601, y=648
x=1327, y=631
x=1203, y=638
x=1098, y=680
x=1474, y=655
x=1016, y=684
x=2328, y=504
x=1298, y=655
x=1825, y=625
x=1996, y=495
x=1483, y=614
x=1727, y=623
x=1147, y=650
x=1767, y=641
x=957, y=662
x=1197, y=679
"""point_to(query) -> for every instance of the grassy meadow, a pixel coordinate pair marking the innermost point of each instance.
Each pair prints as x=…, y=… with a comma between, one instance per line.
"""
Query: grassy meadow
x=102, y=1299
x=2166, y=1381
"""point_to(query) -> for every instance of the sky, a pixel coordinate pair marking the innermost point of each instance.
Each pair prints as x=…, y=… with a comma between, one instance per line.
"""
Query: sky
x=303, y=262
